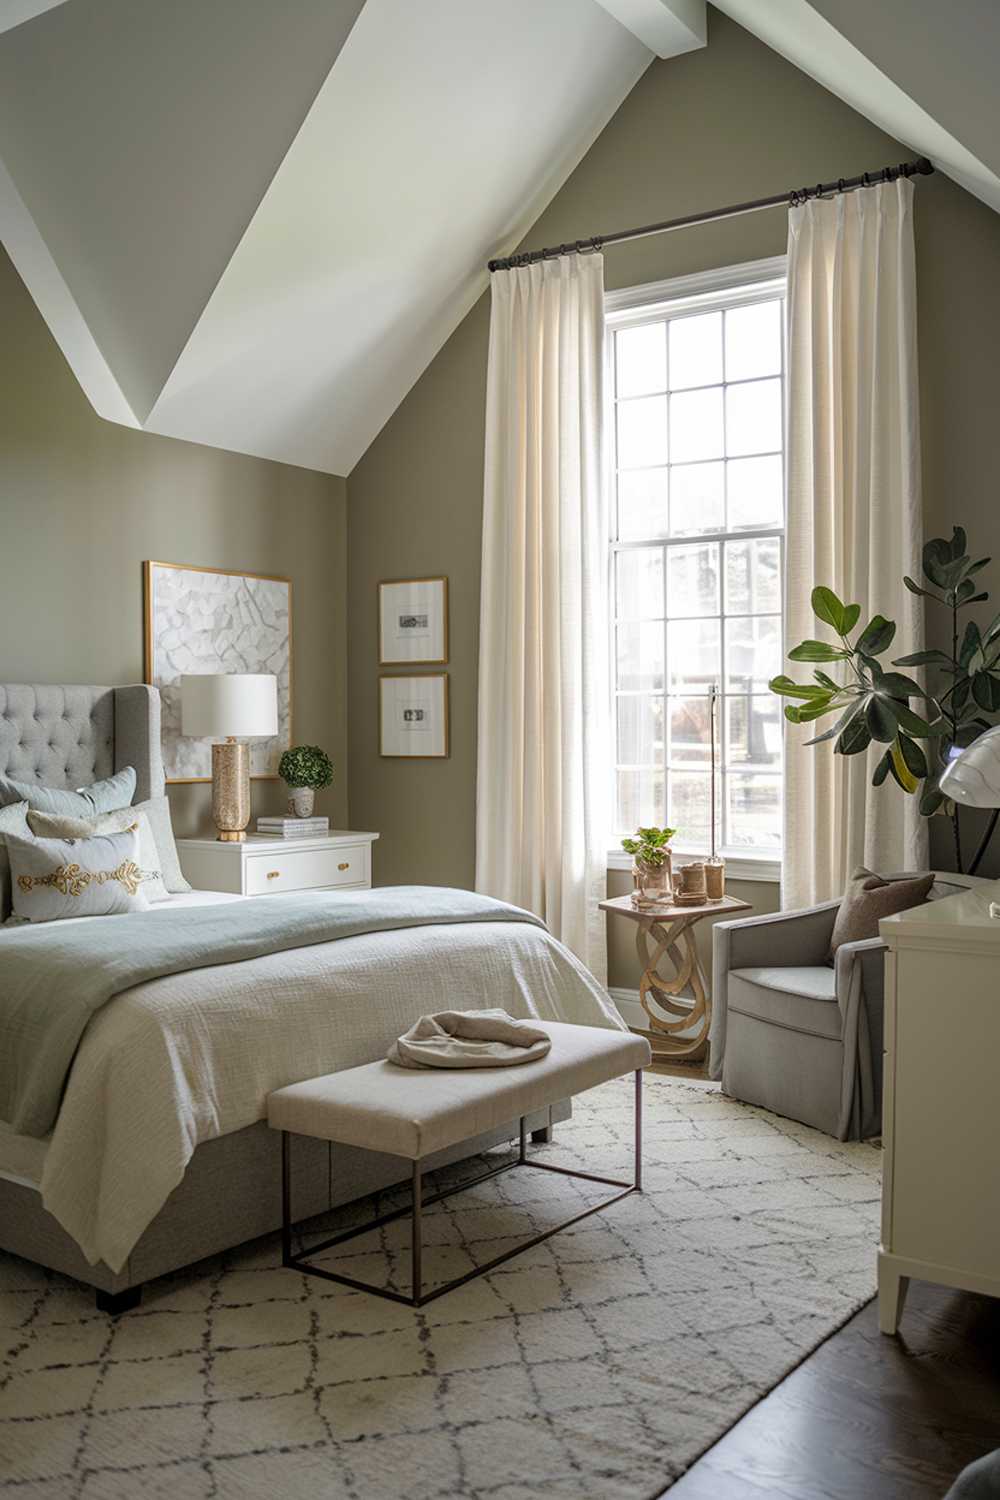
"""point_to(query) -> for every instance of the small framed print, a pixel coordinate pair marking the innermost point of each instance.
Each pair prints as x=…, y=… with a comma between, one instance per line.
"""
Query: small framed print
x=413, y=717
x=413, y=621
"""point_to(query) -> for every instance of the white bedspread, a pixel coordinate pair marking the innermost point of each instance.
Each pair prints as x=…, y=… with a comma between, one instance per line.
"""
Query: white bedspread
x=182, y=1059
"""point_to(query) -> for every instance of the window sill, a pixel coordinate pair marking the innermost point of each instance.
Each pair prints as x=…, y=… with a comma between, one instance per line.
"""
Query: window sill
x=749, y=866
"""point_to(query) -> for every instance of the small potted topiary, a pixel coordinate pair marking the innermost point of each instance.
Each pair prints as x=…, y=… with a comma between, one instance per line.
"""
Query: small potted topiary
x=305, y=769
x=652, y=864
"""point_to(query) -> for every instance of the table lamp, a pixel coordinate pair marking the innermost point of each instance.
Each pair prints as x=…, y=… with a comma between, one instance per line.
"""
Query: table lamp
x=973, y=776
x=235, y=707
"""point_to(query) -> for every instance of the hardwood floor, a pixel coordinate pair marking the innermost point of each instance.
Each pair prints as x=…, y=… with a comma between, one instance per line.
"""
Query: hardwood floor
x=868, y=1417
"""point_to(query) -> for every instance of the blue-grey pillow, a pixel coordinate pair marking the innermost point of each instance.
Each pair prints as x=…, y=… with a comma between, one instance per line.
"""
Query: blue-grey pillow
x=87, y=802
x=13, y=819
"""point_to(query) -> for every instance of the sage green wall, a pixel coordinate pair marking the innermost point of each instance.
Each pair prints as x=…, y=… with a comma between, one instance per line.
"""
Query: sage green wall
x=729, y=122
x=83, y=502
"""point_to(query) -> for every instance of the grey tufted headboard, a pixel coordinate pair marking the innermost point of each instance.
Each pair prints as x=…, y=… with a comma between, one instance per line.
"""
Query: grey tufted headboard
x=71, y=736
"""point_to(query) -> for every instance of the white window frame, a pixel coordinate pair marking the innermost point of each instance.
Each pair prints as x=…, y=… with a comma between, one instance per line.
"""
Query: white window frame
x=729, y=286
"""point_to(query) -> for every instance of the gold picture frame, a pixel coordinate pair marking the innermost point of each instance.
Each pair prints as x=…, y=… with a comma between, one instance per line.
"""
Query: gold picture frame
x=410, y=683
x=168, y=690
x=419, y=602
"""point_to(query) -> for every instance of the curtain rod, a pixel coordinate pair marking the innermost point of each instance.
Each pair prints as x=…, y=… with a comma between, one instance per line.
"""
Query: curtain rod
x=921, y=167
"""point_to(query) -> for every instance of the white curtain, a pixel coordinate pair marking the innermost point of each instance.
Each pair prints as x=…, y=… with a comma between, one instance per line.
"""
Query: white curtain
x=854, y=519
x=541, y=828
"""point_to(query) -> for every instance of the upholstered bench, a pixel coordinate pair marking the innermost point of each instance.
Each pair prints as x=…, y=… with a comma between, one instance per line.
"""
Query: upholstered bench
x=414, y=1113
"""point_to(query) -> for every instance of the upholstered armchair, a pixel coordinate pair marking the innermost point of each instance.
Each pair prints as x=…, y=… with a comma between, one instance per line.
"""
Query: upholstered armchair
x=793, y=1033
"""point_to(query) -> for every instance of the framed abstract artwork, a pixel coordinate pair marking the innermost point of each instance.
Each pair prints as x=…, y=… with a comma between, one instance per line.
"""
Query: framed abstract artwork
x=413, y=622
x=413, y=717
x=214, y=620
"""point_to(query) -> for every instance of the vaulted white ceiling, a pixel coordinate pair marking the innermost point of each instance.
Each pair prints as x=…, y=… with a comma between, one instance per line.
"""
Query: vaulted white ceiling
x=253, y=225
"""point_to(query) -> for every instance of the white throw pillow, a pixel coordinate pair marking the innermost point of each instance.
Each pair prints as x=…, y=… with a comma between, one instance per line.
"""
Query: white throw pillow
x=52, y=826
x=56, y=878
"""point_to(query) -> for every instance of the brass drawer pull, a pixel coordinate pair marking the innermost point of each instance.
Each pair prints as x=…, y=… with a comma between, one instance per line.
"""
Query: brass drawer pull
x=344, y=866
x=273, y=874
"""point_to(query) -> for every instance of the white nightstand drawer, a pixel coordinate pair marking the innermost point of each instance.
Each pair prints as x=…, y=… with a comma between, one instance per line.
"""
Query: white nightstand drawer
x=306, y=869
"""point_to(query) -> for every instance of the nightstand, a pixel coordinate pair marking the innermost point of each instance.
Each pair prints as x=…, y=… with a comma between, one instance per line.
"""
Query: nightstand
x=261, y=866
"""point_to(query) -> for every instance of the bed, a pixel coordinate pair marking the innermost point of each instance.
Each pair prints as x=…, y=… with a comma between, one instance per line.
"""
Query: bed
x=159, y=1154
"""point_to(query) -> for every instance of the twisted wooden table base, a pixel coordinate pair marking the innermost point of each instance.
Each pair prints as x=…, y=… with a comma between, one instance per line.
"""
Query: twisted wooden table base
x=696, y=1012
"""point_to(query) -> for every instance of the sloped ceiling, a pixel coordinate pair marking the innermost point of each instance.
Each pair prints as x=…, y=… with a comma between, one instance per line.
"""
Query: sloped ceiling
x=253, y=224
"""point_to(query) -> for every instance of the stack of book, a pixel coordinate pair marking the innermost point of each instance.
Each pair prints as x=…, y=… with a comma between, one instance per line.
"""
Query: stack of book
x=293, y=828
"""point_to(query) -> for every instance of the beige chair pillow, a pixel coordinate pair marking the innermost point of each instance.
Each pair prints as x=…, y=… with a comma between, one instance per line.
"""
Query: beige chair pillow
x=869, y=898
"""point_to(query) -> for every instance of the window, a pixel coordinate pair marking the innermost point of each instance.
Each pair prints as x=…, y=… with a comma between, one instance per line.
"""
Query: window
x=697, y=442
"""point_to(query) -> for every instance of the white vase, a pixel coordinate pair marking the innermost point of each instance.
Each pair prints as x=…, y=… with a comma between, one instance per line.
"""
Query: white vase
x=300, y=803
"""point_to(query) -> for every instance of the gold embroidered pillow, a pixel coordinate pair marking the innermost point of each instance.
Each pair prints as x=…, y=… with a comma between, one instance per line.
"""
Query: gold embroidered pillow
x=95, y=877
x=51, y=826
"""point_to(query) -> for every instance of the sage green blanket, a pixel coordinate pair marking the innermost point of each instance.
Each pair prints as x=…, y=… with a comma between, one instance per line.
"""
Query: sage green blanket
x=56, y=975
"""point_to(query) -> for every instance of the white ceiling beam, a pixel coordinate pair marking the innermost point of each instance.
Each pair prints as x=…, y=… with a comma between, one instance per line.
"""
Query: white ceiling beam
x=14, y=12
x=883, y=84
x=35, y=265
x=666, y=27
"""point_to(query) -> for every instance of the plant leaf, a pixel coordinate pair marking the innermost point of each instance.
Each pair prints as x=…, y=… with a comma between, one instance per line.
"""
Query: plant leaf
x=817, y=651
x=876, y=636
x=881, y=718
x=900, y=686
x=852, y=614
x=958, y=541
x=914, y=588
x=854, y=738
x=981, y=562
x=847, y=717
x=976, y=599
x=923, y=659
x=901, y=775
x=932, y=799
x=935, y=557
x=828, y=608
x=920, y=729
x=971, y=643
x=913, y=756
x=882, y=769
x=986, y=691
x=827, y=682
x=786, y=688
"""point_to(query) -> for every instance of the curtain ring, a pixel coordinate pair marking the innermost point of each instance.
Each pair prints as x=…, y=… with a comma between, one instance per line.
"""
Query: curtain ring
x=840, y=185
x=866, y=180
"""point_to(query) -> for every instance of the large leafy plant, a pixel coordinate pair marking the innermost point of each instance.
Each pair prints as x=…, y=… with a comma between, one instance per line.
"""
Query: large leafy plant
x=919, y=729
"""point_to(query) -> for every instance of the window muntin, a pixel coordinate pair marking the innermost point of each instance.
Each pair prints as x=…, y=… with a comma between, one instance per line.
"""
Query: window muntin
x=698, y=475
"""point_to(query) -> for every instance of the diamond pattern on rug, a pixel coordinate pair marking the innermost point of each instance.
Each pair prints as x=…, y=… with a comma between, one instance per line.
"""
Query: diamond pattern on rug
x=597, y=1366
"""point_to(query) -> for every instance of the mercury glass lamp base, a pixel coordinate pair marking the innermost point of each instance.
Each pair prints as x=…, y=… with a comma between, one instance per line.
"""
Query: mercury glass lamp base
x=231, y=790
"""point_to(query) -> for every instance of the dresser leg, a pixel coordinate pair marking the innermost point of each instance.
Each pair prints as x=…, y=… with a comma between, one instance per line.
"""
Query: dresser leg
x=892, y=1289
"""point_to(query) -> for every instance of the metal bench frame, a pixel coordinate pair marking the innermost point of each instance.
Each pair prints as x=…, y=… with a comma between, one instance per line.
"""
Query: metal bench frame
x=417, y=1296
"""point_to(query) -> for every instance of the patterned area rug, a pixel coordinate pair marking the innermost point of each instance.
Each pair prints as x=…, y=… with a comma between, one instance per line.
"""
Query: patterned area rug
x=601, y=1364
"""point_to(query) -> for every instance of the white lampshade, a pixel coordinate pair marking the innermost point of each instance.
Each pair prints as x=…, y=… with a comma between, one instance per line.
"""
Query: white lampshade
x=243, y=705
x=973, y=777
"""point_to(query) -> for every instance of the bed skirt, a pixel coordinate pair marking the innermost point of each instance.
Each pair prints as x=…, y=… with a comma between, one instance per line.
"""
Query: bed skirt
x=231, y=1193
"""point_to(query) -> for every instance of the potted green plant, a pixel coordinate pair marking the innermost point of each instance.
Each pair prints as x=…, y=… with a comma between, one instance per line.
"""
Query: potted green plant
x=305, y=770
x=652, y=864
x=874, y=706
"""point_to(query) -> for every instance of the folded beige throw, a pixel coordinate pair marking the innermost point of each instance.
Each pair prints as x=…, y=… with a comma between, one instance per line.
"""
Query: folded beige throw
x=469, y=1039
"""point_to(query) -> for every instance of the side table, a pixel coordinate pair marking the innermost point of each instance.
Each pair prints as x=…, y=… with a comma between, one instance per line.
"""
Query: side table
x=667, y=932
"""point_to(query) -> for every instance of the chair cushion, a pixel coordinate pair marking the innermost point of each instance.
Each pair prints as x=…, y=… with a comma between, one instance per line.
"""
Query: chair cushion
x=804, y=998
x=414, y=1113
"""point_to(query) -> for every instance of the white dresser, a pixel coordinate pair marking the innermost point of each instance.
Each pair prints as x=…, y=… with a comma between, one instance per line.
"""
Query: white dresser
x=260, y=866
x=941, y=1110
